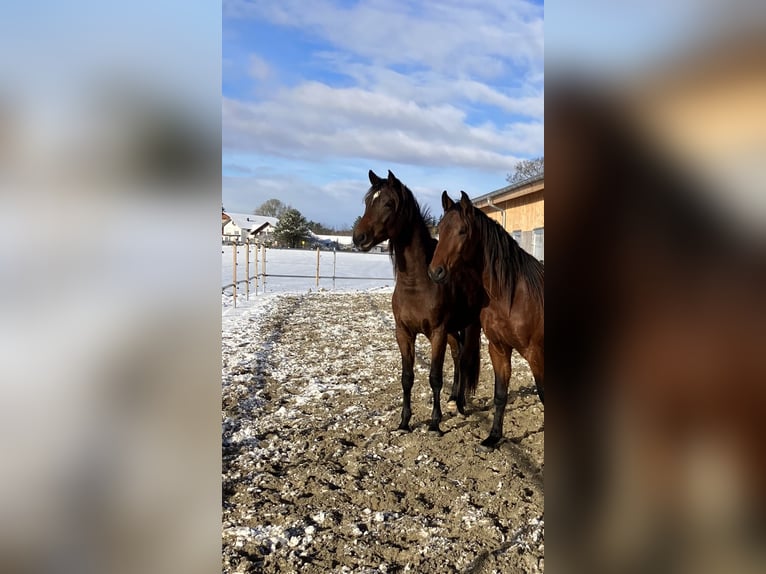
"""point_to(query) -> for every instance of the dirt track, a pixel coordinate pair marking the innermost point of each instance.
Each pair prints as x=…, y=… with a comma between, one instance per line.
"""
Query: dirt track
x=314, y=479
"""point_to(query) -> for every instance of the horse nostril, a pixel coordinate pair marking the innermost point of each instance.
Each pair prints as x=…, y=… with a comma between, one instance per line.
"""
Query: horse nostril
x=437, y=274
x=360, y=239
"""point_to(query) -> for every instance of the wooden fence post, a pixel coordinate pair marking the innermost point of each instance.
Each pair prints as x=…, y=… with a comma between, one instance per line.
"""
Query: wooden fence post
x=317, y=268
x=234, y=271
x=247, y=270
x=263, y=267
x=334, y=256
x=255, y=261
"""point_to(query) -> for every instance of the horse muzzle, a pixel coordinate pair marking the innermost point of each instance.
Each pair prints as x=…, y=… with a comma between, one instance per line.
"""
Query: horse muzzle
x=363, y=242
x=437, y=274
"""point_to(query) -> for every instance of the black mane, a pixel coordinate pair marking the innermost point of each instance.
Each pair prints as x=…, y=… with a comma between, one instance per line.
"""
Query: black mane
x=506, y=260
x=412, y=218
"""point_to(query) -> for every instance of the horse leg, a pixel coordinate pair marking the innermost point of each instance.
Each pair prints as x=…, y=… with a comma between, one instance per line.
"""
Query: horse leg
x=438, y=349
x=501, y=363
x=536, y=359
x=469, y=364
x=456, y=349
x=406, y=342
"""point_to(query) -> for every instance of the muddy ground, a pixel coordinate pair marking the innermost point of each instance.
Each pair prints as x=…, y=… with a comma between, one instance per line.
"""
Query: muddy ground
x=315, y=479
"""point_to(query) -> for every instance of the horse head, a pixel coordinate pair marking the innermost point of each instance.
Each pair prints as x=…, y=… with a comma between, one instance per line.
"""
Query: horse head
x=456, y=242
x=379, y=221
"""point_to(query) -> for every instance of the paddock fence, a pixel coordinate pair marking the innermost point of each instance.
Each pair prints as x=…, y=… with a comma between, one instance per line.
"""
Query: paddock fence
x=253, y=269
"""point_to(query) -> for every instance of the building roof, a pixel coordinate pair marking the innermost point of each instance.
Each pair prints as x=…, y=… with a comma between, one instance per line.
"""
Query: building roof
x=524, y=187
x=252, y=222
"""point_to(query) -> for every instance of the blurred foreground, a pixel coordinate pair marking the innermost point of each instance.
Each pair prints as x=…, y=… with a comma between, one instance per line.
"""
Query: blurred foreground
x=657, y=312
x=109, y=340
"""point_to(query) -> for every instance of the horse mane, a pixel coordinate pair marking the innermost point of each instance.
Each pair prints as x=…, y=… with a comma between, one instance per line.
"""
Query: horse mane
x=413, y=219
x=506, y=260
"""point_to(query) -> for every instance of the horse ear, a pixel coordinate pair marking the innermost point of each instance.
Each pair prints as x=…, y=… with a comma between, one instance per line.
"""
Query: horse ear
x=465, y=204
x=391, y=177
x=446, y=201
x=374, y=179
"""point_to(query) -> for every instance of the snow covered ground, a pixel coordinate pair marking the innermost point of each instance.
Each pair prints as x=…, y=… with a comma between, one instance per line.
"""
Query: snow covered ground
x=368, y=270
x=316, y=479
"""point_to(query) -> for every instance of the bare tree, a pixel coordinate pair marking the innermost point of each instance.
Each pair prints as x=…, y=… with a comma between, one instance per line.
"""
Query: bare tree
x=271, y=208
x=526, y=169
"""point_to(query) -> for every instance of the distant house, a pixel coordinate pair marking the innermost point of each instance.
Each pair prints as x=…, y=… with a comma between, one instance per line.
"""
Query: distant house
x=344, y=243
x=243, y=226
x=341, y=243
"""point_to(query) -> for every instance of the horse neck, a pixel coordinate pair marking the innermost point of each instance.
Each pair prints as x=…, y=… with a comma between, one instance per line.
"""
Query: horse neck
x=484, y=263
x=413, y=248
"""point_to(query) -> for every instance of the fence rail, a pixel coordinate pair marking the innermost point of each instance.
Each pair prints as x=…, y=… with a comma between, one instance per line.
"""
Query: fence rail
x=290, y=259
x=338, y=277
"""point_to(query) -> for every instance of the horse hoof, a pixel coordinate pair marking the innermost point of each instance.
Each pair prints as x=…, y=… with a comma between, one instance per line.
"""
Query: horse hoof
x=435, y=431
x=489, y=444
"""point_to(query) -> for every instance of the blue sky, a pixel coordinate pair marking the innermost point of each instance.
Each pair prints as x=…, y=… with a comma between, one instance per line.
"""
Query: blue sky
x=447, y=95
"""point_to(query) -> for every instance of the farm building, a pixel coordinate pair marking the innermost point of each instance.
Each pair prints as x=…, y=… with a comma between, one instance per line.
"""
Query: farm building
x=241, y=226
x=519, y=208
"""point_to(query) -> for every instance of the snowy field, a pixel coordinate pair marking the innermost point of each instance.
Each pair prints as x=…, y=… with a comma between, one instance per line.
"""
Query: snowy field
x=370, y=270
x=316, y=478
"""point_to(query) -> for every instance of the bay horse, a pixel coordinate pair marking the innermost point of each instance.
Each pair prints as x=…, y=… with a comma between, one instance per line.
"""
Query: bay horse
x=445, y=314
x=513, y=315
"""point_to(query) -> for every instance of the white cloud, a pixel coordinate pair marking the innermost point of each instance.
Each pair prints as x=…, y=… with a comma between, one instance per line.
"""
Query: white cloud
x=334, y=203
x=338, y=199
x=447, y=91
x=259, y=69
x=434, y=87
x=314, y=120
x=454, y=37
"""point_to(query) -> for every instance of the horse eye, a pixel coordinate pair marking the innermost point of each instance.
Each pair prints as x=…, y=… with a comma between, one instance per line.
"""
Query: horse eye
x=389, y=204
x=462, y=231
